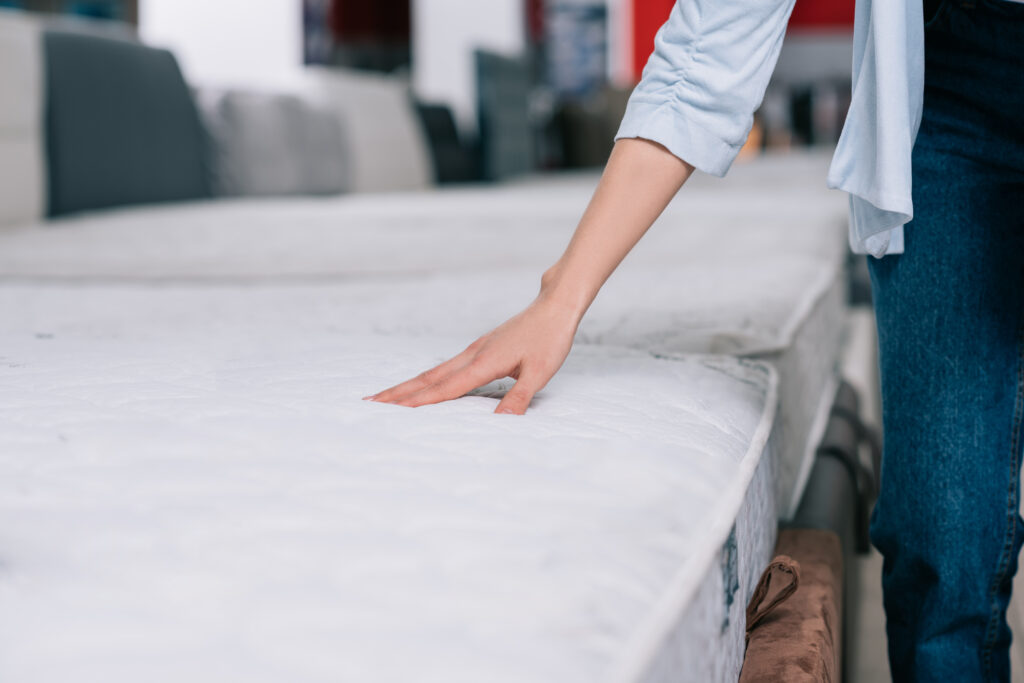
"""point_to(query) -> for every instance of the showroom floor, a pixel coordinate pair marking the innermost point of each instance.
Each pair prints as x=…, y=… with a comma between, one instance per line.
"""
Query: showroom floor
x=870, y=664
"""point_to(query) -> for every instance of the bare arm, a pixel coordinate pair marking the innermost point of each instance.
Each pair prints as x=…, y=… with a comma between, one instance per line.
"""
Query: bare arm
x=638, y=182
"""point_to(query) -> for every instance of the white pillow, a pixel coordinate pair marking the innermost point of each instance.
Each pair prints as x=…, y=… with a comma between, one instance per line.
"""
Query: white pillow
x=22, y=165
x=274, y=144
x=386, y=142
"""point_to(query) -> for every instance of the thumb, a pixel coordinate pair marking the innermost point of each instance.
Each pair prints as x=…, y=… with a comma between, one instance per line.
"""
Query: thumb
x=518, y=398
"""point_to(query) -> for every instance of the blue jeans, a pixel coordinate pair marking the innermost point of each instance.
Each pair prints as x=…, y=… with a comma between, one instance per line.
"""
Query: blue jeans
x=950, y=314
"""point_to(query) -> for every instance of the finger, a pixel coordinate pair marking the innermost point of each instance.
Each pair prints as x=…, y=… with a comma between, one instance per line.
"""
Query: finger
x=426, y=380
x=518, y=398
x=422, y=380
x=429, y=376
x=457, y=383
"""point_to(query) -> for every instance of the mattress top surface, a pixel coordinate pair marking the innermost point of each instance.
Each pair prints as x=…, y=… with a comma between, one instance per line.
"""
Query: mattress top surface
x=715, y=275
x=218, y=502
x=523, y=224
x=191, y=489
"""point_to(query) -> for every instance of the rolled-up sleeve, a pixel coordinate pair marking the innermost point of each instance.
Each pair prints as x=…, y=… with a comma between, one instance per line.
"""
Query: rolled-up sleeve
x=707, y=75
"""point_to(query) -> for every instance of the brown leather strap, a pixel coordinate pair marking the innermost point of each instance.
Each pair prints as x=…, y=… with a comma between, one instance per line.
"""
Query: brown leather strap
x=780, y=579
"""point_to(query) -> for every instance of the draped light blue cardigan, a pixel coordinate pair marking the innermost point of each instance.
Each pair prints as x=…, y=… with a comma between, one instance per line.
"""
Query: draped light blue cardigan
x=708, y=73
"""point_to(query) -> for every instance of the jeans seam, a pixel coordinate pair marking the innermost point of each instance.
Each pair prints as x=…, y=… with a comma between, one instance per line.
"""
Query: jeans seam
x=940, y=10
x=1012, y=507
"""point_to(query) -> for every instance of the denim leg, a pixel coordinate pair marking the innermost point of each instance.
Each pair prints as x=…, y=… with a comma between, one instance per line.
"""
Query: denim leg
x=950, y=319
x=950, y=314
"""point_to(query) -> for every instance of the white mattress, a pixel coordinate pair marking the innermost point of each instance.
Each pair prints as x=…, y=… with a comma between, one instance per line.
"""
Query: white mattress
x=191, y=490
x=212, y=335
x=753, y=266
x=524, y=224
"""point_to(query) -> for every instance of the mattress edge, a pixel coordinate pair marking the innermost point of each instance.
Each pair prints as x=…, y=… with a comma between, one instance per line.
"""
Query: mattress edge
x=644, y=646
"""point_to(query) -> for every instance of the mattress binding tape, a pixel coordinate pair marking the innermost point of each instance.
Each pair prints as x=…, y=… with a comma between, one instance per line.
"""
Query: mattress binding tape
x=644, y=646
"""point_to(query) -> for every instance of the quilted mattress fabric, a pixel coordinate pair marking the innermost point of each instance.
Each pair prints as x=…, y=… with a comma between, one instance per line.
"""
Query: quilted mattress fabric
x=524, y=224
x=787, y=310
x=762, y=277
x=218, y=503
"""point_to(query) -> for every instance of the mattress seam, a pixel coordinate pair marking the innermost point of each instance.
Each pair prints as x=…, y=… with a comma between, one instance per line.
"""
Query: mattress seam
x=639, y=654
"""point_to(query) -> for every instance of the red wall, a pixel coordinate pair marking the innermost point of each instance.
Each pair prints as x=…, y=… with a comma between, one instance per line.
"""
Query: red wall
x=649, y=15
x=822, y=14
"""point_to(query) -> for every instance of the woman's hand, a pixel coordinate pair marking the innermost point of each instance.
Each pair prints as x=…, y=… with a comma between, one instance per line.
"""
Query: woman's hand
x=639, y=180
x=530, y=347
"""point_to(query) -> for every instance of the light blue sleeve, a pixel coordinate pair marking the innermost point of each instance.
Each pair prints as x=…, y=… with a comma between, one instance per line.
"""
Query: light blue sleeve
x=872, y=159
x=707, y=75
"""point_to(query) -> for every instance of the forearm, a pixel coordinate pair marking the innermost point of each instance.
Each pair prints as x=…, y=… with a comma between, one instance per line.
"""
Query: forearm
x=638, y=182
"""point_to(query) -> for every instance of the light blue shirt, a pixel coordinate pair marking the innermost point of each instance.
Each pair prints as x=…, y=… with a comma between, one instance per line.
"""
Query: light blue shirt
x=711, y=64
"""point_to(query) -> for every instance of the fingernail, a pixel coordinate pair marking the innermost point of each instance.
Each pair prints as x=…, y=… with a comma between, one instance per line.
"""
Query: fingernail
x=370, y=397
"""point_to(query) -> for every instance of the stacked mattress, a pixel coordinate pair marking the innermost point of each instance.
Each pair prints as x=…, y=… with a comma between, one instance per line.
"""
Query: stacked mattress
x=192, y=489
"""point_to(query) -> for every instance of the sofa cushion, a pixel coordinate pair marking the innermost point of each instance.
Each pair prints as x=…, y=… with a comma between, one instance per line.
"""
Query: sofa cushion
x=388, y=147
x=22, y=178
x=274, y=144
x=121, y=124
x=454, y=161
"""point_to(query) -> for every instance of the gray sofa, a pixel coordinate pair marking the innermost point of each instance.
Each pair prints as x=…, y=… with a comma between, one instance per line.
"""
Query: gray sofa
x=92, y=119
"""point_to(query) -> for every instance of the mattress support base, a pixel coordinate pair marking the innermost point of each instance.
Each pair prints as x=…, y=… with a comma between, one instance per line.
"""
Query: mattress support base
x=837, y=498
